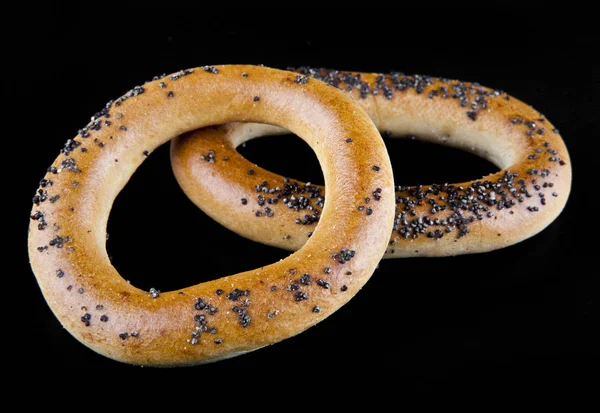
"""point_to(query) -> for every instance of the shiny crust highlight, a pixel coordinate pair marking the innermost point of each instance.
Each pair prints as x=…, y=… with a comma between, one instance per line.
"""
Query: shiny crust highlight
x=231, y=315
x=493, y=212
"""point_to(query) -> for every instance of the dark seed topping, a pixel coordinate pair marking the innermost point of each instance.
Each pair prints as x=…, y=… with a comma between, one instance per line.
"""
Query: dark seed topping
x=60, y=273
x=210, y=157
x=316, y=309
x=344, y=288
x=200, y=304
x=40, y=217
x=301, y=80
x=40, y=196
x=300, y=296
x=305, y=279
x=70, y=146
x=70, y=165
x=210, y=69
x=104, y=318
x=154, y=292
x=243, y=316
x=85, y=319
x=236, y=294
x=182, y=73
x=58, y=241
x=323, y=284
x=344, y=255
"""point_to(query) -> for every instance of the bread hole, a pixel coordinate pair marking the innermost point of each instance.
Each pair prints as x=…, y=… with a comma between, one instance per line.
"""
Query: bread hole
x=414, y=162
x=160, y=239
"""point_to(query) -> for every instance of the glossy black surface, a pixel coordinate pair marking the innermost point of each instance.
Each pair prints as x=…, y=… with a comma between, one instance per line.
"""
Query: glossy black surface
x=516, y=315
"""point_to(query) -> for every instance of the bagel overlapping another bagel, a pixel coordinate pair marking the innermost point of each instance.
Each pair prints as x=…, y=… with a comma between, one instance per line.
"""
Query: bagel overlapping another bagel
x=340, y=236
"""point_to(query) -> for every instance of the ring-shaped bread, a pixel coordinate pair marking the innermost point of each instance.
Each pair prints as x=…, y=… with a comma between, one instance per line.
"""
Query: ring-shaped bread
x=234, y=314
x=496, y=211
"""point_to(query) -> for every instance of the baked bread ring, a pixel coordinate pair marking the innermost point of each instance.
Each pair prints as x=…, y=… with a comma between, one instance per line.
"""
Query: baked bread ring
x=498, y=210
x=231, y=315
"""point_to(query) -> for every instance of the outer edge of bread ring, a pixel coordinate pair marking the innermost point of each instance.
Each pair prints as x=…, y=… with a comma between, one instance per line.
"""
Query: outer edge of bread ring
x=231, y=315
x=493, y=212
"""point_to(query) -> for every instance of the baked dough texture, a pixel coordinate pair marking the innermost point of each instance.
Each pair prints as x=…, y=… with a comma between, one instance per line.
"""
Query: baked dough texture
x=496, y=211
x=234, y=314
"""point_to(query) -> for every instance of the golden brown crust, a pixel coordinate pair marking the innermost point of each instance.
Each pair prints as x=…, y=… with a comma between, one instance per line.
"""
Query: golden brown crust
x=433, y=220
x=234, y=314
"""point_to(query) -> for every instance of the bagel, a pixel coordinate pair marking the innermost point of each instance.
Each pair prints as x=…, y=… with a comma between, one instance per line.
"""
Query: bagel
x=234, y=314
x=496, y=211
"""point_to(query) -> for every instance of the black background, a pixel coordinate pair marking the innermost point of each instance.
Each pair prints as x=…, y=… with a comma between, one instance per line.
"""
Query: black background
x=519, y=315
